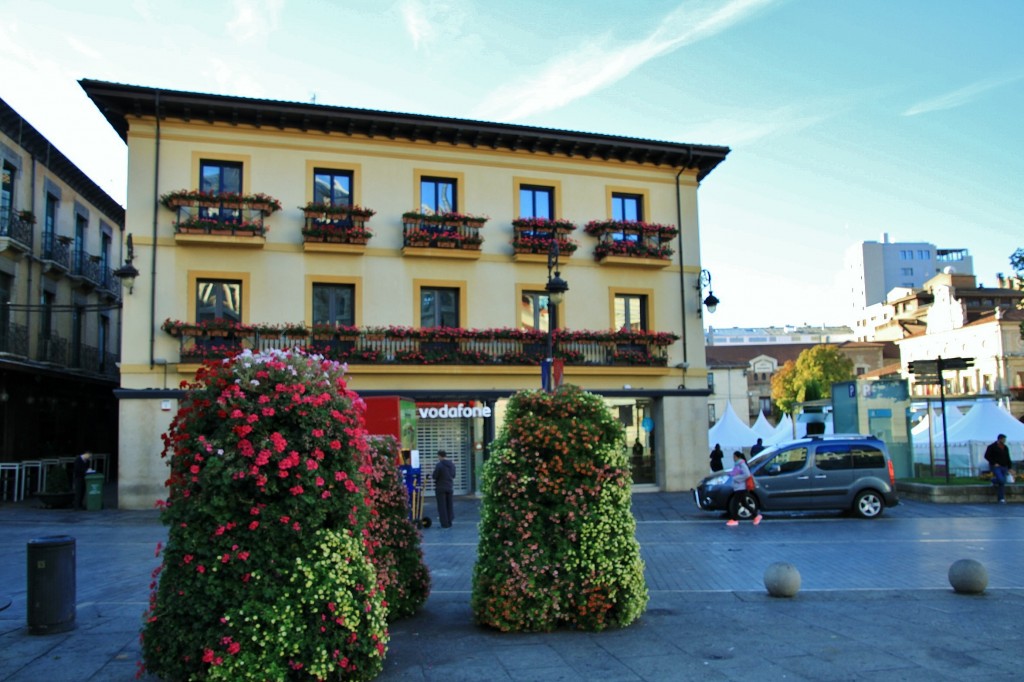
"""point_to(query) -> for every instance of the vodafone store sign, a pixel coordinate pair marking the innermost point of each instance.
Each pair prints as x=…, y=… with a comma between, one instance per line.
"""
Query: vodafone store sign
x=460, y=411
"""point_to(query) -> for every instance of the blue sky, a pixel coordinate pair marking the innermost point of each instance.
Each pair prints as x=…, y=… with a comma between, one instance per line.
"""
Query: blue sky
x=847, y=118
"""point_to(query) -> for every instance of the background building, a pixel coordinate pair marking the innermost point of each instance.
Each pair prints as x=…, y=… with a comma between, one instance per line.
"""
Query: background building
x=874, y=268
x=216, y=258
x=60, y=236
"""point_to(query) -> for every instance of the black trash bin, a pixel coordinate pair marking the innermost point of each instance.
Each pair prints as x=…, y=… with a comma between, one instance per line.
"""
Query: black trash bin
x=51, y=584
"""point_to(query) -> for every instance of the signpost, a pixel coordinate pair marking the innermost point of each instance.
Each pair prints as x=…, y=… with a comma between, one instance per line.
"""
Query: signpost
x=930, y=372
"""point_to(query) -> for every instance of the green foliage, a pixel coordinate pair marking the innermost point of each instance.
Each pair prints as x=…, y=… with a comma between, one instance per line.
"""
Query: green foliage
x=810, y=377
x=266, y=572
x=557, y=537
x=401, y=572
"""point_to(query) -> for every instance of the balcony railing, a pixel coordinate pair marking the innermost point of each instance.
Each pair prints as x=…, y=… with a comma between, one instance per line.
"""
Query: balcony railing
x=442, y=231
x=18, y=231
x=57, y=252
x=224, y=214
x=437, y=346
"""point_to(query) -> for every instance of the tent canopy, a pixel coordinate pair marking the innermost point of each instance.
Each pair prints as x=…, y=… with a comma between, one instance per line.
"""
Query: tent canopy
x=984, y=422
x=762, y=427
x=730, y=432
x=920, y=432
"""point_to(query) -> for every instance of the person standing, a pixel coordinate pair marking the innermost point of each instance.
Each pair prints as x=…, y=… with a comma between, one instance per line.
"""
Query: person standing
x=78, y=478
x=716, y=457
x=740, y=473
x=444, y=485
x=757, y=447
x=998, y=457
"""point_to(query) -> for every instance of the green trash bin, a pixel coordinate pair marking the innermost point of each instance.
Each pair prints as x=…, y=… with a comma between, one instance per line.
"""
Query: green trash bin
x=93, y=492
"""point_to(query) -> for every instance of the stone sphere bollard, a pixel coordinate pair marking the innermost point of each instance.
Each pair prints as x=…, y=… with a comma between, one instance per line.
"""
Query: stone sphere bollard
x=782, y=580
x=968, y=576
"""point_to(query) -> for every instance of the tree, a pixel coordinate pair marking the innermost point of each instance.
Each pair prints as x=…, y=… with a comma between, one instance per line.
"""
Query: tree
x=1017, y=263
x=810, y=377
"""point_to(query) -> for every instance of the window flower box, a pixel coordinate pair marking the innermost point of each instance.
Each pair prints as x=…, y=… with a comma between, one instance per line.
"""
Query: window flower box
x=262, y=203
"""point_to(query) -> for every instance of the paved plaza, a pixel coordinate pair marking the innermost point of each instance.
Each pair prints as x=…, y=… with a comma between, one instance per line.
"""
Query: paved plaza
x=875, y=601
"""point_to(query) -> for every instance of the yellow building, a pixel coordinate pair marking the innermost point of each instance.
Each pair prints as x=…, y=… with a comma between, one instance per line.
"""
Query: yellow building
x=60, y=237
x=446, y=312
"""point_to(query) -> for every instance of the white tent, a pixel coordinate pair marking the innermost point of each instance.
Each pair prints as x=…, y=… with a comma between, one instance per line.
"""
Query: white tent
x=762, y=427
x=731, y=433
x=969, y=437
x=920, y=431
x=783, y=431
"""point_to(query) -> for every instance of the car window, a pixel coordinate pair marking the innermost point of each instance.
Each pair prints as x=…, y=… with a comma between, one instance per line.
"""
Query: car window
x=868, y=457
x=787, y=461
x=833, y=457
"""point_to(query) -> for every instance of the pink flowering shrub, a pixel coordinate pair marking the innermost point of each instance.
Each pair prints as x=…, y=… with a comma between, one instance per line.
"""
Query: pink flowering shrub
x=266, y=573
x=399, y=560
x=557, y=537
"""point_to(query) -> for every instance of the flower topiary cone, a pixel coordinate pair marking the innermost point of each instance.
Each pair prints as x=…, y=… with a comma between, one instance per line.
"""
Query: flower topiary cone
x=267, y=571
x=557, y=537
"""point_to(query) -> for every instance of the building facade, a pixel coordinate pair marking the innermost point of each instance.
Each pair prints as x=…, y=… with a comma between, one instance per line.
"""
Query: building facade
x=874, y=268
x=60, y=236
x=418, y=250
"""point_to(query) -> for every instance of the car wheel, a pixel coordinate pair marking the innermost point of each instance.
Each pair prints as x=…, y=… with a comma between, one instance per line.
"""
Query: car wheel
x=868, y=505
x=743, y=506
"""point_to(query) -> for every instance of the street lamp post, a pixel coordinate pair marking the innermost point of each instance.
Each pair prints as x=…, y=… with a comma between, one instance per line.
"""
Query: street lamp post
x=555, y=288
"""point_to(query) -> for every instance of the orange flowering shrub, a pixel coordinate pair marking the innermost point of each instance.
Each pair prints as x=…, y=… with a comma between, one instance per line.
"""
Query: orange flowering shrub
x=557, y=537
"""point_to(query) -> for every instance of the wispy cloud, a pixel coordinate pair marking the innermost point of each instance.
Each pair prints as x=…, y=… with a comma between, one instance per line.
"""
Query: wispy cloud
x=418, y=25
x=962, y=96
x=83, y=49
x=601, y=63
x=254, y=19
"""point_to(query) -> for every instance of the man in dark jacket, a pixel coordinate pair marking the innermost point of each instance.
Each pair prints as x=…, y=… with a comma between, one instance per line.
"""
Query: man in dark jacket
x=998, y=457
x=78, y=480
x=444, y=483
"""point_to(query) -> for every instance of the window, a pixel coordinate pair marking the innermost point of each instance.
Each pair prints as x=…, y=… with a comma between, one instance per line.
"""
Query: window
x=220, y=176
x=46, y=315
x=333, y=187
x=218, y=298
x=907, y=272
x=439, y=307
x=627, y=206
x=711, y=414
x=833, y=458
x=867, y=457
x=631, y=312
x=102, y=338
x=7, y=198
x=438, y=195
x=924, y=255
x=49, y=225
x=906, y=254
x=6, y=282
x=536, y=202
x=788, y=461
x=535, y=313
x=334, y=304
x=81, y=223
x=711, y=381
